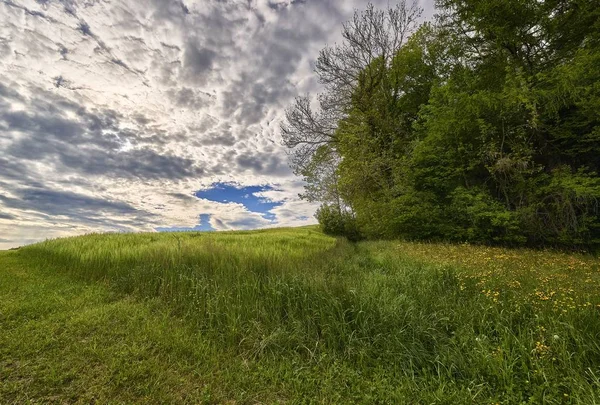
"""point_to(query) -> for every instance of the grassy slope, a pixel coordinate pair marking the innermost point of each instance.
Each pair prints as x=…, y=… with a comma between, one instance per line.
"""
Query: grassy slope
x=291, y=315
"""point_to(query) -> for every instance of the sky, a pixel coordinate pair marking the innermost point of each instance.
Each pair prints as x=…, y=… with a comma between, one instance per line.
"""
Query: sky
x=154, y=115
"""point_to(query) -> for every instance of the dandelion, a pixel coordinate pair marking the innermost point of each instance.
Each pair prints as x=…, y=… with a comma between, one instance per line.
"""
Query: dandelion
x=541, y=349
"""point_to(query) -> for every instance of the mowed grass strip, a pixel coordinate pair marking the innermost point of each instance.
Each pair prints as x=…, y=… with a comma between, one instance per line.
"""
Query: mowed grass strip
x=294, y=316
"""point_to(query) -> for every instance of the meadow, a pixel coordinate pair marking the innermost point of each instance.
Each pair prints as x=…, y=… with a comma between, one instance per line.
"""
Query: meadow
x=295, y=316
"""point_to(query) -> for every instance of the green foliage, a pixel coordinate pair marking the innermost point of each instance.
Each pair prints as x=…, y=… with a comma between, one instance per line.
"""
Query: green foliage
x=337, y=221
x=479, y=217
x=292, y=315
x=483, y=128
x=321, y=176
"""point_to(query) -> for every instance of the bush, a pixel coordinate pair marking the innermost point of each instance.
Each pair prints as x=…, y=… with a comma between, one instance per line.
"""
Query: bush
x=337, y=221
x=480, y=218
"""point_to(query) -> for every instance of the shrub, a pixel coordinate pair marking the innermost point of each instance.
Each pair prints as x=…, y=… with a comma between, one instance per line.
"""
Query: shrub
x=337, y=221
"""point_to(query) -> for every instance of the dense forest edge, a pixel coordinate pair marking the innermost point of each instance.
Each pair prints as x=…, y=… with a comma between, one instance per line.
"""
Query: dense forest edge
x=481, y=126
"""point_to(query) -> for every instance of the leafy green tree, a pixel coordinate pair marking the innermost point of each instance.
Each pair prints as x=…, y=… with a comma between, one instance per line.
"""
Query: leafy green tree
x=482, y=127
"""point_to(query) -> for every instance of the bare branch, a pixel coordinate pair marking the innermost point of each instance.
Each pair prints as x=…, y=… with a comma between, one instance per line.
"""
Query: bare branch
x=369, y=35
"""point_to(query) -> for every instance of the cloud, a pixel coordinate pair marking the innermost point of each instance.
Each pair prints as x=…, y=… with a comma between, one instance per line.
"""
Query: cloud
x=113, y=114
x=198, y=60
x=63, y=203
x=264, y=163
x=247, y=223
x=189, y=98
x=92, y=143
x=203, y=226
x=224, y=139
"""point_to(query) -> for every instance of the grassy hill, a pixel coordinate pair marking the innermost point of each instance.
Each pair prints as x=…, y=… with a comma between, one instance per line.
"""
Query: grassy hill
x=291, y=315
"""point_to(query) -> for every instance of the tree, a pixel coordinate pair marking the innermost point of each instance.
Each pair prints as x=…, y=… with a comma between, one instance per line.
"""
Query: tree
x=482, y=127
x=311, y=133
x=370, y=35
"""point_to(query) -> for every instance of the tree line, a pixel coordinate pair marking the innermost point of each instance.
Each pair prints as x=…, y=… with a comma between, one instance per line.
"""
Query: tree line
x=480, y=126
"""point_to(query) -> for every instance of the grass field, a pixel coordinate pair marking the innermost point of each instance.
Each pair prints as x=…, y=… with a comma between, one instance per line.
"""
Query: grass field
x=294, y=316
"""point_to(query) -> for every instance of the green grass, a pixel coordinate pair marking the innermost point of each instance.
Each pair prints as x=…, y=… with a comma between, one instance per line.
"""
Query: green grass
x=294, y=316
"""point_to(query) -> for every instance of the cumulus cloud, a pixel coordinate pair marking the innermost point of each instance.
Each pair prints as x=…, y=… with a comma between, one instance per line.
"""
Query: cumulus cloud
x=114, y=114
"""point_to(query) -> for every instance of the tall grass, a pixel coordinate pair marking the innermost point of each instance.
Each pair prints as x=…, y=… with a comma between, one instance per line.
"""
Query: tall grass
x=394, y=318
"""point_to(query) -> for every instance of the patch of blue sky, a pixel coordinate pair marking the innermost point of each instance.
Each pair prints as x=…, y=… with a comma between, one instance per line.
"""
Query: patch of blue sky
x=248, y=196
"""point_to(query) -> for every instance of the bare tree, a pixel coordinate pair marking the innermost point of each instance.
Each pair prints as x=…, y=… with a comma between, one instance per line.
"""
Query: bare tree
x=371, y=34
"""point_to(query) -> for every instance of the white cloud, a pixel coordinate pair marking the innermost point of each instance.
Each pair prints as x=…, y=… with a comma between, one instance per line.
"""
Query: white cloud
x=131, y=106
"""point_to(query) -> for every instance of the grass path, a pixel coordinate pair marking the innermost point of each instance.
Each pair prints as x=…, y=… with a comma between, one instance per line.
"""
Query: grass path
x=292, y=316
